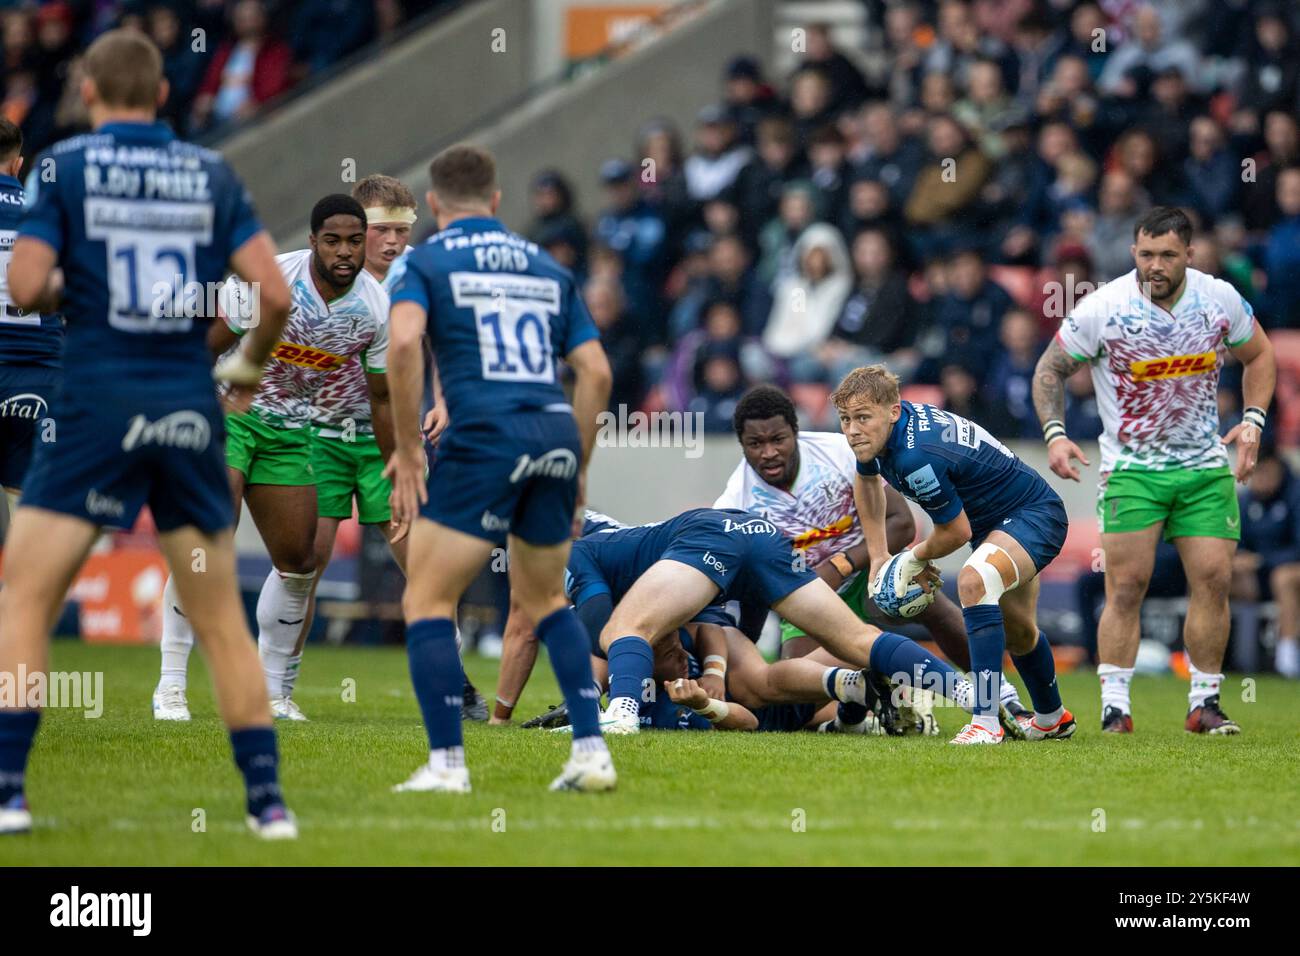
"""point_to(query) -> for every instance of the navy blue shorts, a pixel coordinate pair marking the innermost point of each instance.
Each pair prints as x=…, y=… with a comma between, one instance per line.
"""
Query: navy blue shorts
x=25, y=397
x=516, y=475
x=1040, y=528
x=114, y=454
x=742, y=554
x=785, y=717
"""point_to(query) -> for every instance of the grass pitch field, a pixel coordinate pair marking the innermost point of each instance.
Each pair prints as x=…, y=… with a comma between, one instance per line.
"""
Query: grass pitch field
x=123, y=790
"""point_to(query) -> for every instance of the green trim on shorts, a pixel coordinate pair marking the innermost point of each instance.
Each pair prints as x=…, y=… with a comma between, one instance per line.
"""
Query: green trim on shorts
x=268, y=455
x=350, y=469
x=1192, y=502
x=855, y=596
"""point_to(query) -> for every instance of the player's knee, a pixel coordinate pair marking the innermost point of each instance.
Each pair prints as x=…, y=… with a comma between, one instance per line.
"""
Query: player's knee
x=1214, y=584
x=1126, y=592
x=987, y=574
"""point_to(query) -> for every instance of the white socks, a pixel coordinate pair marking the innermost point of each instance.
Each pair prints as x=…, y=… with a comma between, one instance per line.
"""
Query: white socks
x=1204, y=686
x=1114, y=686
x=844, y=685
x=1008, y=694
x=447, y=758
x=177, y=640
x=1287, y=657
x=588, y=745
x=291, y=673
x=281, y=610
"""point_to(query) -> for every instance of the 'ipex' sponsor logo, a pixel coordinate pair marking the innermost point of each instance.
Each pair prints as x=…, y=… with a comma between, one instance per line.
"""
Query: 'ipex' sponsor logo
x=713, y=562
x=491, y=522
x=556, y=463
x=923, y=481
x=104, y=506
x=752, y=526
x=186, y=430
x=27, y=405
x=75, y=908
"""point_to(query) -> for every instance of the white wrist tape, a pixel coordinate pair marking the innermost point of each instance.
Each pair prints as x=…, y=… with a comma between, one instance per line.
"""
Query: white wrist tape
x=716, y=665
x=237, y=369
x=715, y=710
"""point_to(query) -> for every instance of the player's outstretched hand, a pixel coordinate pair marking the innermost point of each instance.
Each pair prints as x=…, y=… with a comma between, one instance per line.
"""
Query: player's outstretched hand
x=435, y=422
x=405, y=470
x=686, y=691
x=1246, y=436
x=1060, y=455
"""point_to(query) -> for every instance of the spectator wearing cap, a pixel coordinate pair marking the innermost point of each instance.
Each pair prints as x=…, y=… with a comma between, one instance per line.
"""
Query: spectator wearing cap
x=554, y=217
x=747, y=96
x=1009, y=382
x=806, y=303
x=1271, y=79
x=759, y=185
x=630, y=227
x=879, y=321
x=249, y=68
x=948, y=182
x=795, y=213
x=1267, y=563
x=1280, y=256
x=1211, y=170
x=717, y=158
x=848, y=87
x=1148, y=51
x=891, y=158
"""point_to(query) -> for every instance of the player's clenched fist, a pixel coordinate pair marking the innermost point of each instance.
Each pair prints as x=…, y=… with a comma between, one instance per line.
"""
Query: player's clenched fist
x=688, y=692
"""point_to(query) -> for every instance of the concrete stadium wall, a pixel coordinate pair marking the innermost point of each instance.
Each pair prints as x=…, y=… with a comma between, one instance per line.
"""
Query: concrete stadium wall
x=383, y=114
x=575, y=126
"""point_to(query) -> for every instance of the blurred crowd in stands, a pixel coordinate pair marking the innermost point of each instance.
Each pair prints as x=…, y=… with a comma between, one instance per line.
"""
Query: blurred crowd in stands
x=223, y=59
x=938, y=200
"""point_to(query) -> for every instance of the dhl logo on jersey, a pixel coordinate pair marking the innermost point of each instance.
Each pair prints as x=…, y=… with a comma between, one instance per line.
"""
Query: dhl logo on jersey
x=308, y=357
x=1175, y=366
x=816, y=535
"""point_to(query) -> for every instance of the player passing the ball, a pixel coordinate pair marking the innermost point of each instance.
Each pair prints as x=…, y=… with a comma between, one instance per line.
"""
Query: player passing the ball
x=977, y=492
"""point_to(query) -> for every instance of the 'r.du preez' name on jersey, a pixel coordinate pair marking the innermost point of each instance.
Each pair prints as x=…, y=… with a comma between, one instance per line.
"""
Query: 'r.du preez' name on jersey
x=26, y=338
x=946, y=463
x=501, y=312
x=130, y=210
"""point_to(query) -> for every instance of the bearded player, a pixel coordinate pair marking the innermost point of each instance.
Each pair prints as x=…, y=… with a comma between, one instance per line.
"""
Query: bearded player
x=338, y=313
x=1155, y=340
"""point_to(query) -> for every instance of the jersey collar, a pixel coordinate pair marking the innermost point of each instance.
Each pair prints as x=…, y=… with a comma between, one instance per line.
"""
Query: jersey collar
x=156, y=131
x=9, y=182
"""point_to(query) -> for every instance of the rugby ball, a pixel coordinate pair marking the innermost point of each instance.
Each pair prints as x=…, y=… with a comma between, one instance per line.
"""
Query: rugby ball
x=885, y=594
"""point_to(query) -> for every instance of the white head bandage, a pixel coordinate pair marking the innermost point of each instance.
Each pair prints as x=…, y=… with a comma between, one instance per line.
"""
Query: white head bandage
x=389, y=214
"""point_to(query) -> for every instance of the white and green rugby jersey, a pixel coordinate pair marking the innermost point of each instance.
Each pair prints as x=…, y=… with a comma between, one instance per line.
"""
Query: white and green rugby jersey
x=1156, y=372
x=318, y=339
x=342, y=404
x=817, y=513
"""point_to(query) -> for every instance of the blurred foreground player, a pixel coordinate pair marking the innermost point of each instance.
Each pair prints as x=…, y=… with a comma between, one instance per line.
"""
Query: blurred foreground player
x=130, y=209
x=510, y=467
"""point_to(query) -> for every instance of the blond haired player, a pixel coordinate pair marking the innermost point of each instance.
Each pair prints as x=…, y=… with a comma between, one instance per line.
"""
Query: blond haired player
x=1156, y=339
